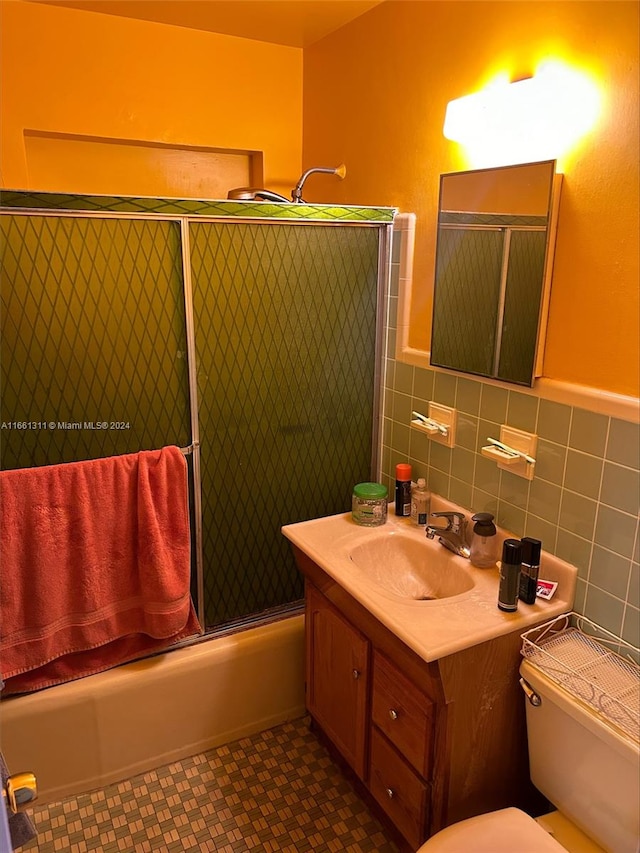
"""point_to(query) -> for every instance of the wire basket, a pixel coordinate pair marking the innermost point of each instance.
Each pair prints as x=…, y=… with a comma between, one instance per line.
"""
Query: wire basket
x=591, y=664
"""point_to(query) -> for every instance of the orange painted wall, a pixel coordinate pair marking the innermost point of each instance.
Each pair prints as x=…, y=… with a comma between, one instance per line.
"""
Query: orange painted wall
x=375, y=94
x=88, y=74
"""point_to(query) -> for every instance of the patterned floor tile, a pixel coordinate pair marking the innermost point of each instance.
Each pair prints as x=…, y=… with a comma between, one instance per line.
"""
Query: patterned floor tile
x=274, y=792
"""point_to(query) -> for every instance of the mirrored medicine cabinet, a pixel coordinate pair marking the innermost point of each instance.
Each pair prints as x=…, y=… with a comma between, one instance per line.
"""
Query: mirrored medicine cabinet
x=494, y=255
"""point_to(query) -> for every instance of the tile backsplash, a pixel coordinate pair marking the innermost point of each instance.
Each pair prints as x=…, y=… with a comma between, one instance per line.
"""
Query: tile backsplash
x=584, y=499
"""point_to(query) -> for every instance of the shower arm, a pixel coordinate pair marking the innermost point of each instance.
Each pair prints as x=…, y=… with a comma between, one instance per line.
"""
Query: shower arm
x=253, y=194
x=296, y=193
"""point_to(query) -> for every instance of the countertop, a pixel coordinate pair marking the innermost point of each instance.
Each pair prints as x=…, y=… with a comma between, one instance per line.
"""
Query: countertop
x=432, y=629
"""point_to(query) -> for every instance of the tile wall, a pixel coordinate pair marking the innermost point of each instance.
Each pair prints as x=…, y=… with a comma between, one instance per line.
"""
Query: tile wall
x=583, y=501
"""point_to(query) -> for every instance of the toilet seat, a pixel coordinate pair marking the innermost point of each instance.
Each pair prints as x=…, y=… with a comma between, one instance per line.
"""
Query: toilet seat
x=503, y=831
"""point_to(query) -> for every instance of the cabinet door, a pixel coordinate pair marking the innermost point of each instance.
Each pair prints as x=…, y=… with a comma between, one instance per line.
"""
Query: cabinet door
x=468, y=268
x=337, y=678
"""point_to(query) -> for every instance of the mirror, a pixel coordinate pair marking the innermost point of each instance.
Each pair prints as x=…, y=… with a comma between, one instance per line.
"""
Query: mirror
x=494, y=254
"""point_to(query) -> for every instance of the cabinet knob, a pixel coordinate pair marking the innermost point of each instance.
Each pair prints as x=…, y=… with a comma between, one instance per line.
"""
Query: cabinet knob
x=393, y=714
x=391, y=793
x=356, y=673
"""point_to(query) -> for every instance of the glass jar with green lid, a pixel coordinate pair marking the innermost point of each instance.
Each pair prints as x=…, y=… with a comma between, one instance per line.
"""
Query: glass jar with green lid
x=369, y=504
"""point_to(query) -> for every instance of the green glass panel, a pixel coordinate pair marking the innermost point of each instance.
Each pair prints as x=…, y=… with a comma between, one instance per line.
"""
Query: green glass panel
x=525, y=275
x=466, y=299
x=285, y=341
x=93, y=351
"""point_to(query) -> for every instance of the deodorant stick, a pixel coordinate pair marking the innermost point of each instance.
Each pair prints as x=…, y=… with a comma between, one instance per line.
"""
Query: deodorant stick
x=531, y=549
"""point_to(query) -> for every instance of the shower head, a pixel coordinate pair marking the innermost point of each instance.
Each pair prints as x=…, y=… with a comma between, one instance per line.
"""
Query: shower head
x=254, y=194
x=296, y=193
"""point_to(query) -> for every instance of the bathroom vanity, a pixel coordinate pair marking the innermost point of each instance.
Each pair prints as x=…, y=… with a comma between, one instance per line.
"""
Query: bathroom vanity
x=418, y=696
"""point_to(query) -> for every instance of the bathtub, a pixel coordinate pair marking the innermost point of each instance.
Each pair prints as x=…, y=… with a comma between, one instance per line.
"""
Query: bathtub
x=104, y=728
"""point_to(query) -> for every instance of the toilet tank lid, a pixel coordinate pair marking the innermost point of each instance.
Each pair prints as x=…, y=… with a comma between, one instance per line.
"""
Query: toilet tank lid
x=589, y=671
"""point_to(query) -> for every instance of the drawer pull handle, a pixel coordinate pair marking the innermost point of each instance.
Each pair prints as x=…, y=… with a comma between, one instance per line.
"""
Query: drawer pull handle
x=393, y=714
x=356, y=673
x=391, y=793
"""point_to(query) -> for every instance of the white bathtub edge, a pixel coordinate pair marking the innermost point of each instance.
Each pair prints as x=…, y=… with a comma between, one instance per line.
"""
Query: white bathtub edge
x=108, y=727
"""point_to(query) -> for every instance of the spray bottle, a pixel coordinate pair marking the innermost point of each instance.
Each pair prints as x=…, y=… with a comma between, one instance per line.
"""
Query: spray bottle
x=403, y=489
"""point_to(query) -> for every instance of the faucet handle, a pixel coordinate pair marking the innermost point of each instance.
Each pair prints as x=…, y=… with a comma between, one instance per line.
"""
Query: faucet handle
x=456, y=521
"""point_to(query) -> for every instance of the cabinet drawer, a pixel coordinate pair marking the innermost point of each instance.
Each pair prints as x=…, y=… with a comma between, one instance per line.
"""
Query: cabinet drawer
x=399, y=791
x=404, y=713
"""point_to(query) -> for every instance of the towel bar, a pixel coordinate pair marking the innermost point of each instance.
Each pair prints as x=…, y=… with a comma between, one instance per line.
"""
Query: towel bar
x=187, y=451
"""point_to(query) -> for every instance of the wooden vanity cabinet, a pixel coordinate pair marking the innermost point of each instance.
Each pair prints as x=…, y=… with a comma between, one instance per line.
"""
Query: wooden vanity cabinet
x=430, y=743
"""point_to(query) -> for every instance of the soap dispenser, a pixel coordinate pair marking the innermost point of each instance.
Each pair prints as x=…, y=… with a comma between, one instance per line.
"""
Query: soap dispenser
x=484, y=542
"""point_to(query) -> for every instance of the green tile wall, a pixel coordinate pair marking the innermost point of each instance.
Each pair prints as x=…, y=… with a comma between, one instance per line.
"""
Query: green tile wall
x=583, y=502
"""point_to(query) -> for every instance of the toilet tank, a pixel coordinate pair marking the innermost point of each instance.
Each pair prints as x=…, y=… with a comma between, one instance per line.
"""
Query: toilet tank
x=584, y=748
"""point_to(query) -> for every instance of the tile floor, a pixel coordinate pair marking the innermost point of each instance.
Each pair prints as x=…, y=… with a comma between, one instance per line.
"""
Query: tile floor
x=275, y=791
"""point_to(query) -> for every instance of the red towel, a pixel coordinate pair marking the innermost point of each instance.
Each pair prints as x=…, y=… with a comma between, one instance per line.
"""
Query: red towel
x=95, y=565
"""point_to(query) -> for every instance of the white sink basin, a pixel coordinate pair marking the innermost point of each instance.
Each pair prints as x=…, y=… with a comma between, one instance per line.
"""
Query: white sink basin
x=408, y=568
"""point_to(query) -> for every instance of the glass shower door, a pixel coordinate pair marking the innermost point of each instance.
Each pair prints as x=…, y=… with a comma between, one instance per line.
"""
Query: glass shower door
x=285, y=334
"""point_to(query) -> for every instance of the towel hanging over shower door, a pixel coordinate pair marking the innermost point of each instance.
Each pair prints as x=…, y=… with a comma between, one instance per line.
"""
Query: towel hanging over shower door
x=94, y=565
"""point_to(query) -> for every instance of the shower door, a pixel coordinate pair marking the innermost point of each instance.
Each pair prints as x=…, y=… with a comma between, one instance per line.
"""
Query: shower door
x=285, y=327
x=129, y=324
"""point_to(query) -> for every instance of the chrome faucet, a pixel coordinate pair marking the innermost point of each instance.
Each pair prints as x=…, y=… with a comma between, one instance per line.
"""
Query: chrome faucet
x=453, y=535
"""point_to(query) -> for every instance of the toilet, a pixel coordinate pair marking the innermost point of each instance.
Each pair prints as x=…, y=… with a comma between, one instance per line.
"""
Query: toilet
x=586, y=761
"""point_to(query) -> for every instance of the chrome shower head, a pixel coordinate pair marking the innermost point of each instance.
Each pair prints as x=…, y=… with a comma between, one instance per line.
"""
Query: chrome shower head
x=254, y=194
x=296, y=193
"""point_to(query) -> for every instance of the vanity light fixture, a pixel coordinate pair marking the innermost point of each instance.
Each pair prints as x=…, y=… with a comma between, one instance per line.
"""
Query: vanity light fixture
x=536, y=118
